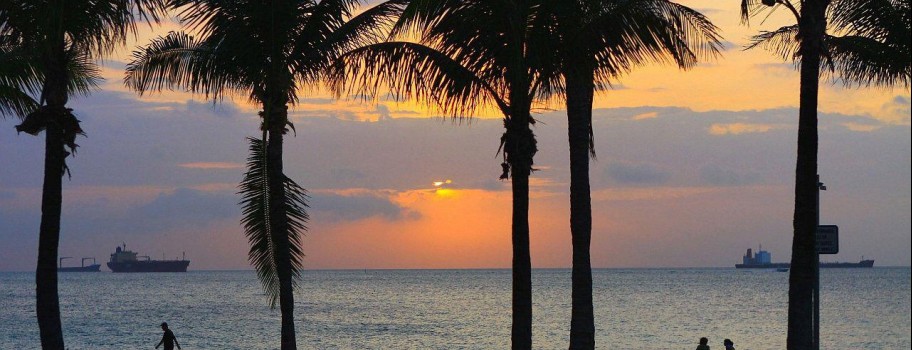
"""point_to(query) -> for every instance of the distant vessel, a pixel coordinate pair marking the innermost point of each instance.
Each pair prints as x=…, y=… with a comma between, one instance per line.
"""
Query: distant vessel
x=762, y=260
x=124, y=260
x=91, y=268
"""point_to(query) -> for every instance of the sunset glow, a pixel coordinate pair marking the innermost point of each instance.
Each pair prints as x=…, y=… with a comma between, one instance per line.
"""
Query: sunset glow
x=686, y=163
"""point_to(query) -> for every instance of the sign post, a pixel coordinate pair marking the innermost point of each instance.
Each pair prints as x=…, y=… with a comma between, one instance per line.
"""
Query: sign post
x=820, y=187
x=827, y=239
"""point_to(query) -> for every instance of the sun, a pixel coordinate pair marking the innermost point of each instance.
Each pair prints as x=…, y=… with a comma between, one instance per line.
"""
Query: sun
x=439, y=184
x=442, y=188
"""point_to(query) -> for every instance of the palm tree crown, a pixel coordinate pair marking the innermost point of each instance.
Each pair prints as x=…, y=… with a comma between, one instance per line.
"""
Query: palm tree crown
x=266, y=52
x=868, y=43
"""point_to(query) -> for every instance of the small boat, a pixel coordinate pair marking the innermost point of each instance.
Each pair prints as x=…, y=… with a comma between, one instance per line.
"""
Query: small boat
x=91, y=268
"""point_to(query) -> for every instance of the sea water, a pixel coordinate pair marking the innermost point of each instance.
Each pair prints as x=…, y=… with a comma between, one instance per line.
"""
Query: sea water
x=458, y=309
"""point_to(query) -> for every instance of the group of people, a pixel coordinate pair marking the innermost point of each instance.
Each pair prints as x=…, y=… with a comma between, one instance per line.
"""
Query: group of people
x=704, y=344
x=168, y=339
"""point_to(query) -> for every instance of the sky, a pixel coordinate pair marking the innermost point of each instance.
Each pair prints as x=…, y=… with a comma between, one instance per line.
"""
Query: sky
x=693, y=168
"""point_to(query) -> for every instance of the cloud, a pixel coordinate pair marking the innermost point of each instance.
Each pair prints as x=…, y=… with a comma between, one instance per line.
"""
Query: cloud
x=714, y=174
x=647, y=115
x=780, y=70
x=347, y=175
x=336, y=207
x=707, y=10
x=182, y=208
x=316, y=101
x=638, y=173
x=728, y=45
x=222, y=109
x=861, y=127
x=899, y=109
x=740, y=128
x=383, y=112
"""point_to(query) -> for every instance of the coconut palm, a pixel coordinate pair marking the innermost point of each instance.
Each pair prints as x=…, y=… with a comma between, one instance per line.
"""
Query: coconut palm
x=600, y=41
x=869, y=45
x=265, y=51
x=61, y=41
x=463, y=56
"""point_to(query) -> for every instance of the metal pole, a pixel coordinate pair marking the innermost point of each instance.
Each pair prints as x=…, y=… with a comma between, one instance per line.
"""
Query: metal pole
x=817, y=273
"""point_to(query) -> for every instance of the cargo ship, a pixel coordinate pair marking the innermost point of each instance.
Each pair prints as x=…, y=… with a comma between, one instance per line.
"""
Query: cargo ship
x=91, y=268
x=124, y=260
x=763, y=260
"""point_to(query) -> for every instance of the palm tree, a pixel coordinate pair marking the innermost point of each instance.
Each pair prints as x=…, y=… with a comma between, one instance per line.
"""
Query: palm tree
x=264, y=51
x=600, y=41
x=871, y=47
x=468, y=55
x=62, y=40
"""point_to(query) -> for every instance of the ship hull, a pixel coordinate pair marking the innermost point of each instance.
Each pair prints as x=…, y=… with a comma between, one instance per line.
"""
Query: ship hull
x=150, y=266
x=90, y=268
x=823, y=265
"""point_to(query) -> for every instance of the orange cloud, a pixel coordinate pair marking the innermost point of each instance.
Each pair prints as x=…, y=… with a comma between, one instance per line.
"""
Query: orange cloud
x=648, y=115
x=740, y=128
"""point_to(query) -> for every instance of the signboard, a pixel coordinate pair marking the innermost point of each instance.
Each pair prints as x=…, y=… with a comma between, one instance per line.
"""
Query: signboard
x=827, y=239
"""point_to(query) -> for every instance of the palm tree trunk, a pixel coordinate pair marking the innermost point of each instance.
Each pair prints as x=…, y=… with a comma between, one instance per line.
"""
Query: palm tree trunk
x=47, y=303
x=278, y=219
x=580, y=89
x=520, y=149
x=522, y=265
x=47, y=298
x=803, y=272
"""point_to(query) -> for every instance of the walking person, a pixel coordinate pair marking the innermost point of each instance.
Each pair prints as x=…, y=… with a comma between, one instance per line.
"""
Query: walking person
x=168, y=338
x=704, y=344
x=728, y=344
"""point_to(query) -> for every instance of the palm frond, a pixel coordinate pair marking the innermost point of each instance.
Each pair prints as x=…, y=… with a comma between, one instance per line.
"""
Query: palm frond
x=179, y=60
x=19, y=67
x=419, y=15
x=20, y=79
x=412, y=71
x=317, y=46
x=870, y=18
x=84, y=73
x=755, y=8
x=297, y=218
x=14, y=101
x=783, y=42
x=95, y=27
x=867, y=62
x=633, y=32
x=254, y=191
x=871, y=42
x=871, y=50
x=111, y=22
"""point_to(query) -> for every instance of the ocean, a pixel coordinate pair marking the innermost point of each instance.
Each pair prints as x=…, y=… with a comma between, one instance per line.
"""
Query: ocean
x=458, y=309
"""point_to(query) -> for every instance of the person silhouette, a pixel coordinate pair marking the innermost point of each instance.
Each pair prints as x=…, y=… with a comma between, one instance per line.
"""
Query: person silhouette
x=729, y=345
x=703, y=344
x=168, y=338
